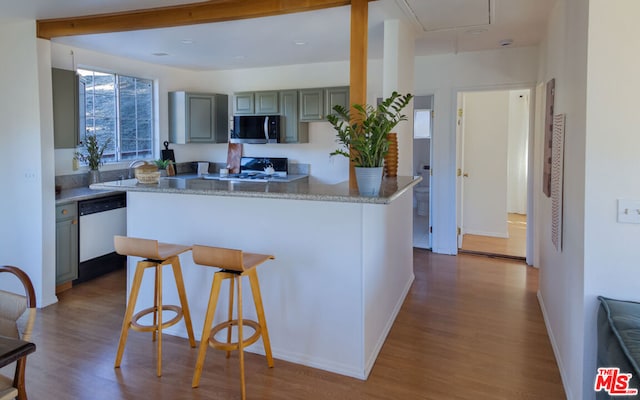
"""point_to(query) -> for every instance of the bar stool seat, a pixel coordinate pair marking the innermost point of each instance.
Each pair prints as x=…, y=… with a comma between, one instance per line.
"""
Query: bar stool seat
x=234, y=265
x=155, y=255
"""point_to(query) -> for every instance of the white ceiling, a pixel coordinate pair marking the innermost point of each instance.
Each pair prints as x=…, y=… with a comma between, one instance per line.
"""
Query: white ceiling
x=440, y=26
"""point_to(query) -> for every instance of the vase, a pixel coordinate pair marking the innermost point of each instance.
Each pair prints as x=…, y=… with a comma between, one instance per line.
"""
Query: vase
x=94, y=176
x=391, y=158
x=369, y=180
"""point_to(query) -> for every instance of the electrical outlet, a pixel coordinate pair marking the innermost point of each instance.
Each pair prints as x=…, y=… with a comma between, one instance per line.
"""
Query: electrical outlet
x=628, y=211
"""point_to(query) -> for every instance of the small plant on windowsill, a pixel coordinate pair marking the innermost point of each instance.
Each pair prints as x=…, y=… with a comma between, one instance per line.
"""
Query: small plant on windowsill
x=93, y=156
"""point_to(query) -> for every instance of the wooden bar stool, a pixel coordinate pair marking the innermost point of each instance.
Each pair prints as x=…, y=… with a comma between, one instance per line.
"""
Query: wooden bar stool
x=234, y=265
x=155, y=255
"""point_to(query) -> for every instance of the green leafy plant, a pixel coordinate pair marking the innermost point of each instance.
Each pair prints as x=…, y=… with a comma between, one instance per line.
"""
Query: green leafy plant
x=163, y=164
x=94, y=152
x=364, y=137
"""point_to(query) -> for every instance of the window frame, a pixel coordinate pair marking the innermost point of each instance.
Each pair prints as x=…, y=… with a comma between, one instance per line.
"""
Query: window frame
x=153, y=121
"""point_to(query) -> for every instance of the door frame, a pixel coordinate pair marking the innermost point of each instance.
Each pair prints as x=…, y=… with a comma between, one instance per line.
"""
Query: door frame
x=531, y=173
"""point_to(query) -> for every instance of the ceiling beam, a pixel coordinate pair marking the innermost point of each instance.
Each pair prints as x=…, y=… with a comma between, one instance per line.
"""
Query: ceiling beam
x=180, y=15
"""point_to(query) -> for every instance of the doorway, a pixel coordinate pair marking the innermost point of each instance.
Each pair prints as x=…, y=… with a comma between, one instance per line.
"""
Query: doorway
x=422, y=132
x=493, y=131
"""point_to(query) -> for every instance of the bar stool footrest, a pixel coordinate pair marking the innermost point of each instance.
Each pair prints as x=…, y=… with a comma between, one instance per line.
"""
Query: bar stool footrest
x=151, y=328
x=216, y=344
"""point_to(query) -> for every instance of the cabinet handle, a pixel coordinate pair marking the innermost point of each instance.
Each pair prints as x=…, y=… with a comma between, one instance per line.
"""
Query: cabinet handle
x=74, y=222
x=65, y=212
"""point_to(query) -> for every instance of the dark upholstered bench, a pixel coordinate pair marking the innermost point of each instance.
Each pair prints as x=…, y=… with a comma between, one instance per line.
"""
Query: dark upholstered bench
x=619, y=340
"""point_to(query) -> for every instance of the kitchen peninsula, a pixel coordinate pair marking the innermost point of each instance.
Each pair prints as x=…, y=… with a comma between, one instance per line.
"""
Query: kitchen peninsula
x=343, y=266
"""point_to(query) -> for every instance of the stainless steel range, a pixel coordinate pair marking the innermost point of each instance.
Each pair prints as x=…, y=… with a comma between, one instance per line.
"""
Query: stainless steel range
x=260, y=169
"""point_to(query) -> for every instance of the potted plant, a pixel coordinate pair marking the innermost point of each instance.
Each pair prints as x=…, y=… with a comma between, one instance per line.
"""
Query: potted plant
x=93, y=156
x=166, y=166
x=363, y=137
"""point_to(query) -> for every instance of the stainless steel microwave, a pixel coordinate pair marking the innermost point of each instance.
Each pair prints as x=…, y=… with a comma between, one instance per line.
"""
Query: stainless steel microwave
x=256, y=129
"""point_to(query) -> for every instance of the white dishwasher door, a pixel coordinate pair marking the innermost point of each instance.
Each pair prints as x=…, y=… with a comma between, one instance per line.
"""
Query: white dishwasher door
x=97, y=231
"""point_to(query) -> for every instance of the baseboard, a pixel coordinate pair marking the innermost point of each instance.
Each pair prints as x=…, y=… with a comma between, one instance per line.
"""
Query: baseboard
x=554, y=346
x=374, y=355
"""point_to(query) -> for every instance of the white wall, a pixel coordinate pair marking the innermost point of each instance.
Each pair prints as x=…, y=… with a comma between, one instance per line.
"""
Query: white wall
x=612, y=162
x=518, y=151
x=562, y=277
x=26, y=170
x=443, y=76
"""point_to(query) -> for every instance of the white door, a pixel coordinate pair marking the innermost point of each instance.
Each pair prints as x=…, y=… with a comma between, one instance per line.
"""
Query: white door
x=484, y=163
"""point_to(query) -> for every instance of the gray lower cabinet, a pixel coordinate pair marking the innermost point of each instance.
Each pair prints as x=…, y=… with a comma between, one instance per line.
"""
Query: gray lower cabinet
x=66, y=242
x=311, y=104
x=294, y=130
x=198, y=117
x=336, y=96
x=65, y=108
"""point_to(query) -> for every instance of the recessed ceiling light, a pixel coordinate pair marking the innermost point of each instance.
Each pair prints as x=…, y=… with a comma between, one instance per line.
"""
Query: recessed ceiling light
x=506, y=42
x=186, y=41
x=300, y=42
x=476, y=31
x=159, y=54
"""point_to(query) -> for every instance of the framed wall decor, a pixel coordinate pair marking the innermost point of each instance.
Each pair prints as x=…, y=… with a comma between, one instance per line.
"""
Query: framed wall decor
x=548, y=135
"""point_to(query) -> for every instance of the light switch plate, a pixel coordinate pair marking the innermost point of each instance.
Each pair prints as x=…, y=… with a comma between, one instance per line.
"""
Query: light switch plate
x=628, y=211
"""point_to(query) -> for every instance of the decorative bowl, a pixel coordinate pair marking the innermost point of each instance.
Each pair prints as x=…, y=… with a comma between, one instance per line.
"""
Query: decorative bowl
x=147, y=174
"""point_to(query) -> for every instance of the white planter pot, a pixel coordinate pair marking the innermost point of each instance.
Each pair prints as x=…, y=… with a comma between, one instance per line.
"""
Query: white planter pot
x=369, y=180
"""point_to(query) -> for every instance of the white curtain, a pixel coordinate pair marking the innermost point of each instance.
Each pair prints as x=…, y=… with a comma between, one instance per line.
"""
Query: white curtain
x=518, y=148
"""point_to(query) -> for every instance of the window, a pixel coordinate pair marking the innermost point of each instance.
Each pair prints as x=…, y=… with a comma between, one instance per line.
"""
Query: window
x=422, y=124
x=118, y=107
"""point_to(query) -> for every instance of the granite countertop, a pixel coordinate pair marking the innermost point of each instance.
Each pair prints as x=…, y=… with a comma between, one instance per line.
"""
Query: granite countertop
x=297, y=190
x=83, y=193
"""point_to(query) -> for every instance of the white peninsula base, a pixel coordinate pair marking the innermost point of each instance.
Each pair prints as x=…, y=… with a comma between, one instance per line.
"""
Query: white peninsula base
x=341, y=273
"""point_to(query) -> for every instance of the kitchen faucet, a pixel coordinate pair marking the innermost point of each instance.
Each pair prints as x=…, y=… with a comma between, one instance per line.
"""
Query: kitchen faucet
x=134, y=164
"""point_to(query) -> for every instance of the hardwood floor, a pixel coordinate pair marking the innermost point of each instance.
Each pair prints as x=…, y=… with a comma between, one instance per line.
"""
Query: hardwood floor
x=470, y=328
x=514, y=246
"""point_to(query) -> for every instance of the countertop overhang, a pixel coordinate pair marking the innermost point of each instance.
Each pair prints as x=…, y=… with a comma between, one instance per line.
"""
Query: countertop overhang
x=391, y=189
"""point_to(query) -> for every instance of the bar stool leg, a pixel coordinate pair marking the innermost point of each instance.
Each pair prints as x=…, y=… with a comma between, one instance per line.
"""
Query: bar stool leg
x=133, y=297
x=155, y=302
x=232, y=288
x=206, y=329
x=159, y=310
x=241, y=338
x=177, y=273
x=257, y=300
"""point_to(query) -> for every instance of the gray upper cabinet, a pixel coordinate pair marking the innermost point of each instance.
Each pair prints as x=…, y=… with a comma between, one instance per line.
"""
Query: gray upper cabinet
x=198, y=117
x=65, y=108
x=294, y=131
x=311, y=104
x=66, y=243
x=266, y=102
x=243, y=103
x=336, y=96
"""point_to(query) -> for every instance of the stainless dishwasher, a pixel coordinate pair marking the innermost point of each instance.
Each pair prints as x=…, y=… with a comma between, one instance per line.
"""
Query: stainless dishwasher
x=100, y=219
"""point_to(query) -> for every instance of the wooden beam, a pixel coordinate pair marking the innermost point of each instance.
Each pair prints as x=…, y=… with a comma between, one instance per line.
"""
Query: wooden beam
x=358, y=66
x=186, y=14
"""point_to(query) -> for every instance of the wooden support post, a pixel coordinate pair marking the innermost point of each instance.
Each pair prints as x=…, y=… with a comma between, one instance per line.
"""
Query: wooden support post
x=358, y=68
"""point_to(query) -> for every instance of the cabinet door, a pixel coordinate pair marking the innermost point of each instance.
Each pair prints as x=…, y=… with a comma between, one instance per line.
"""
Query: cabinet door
x=200, y=118
x=294, y=131
x=243, y=103
x=336, y=96
x=66, y=243
x=266, y=102
x=311, y=104
x=65, y=108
